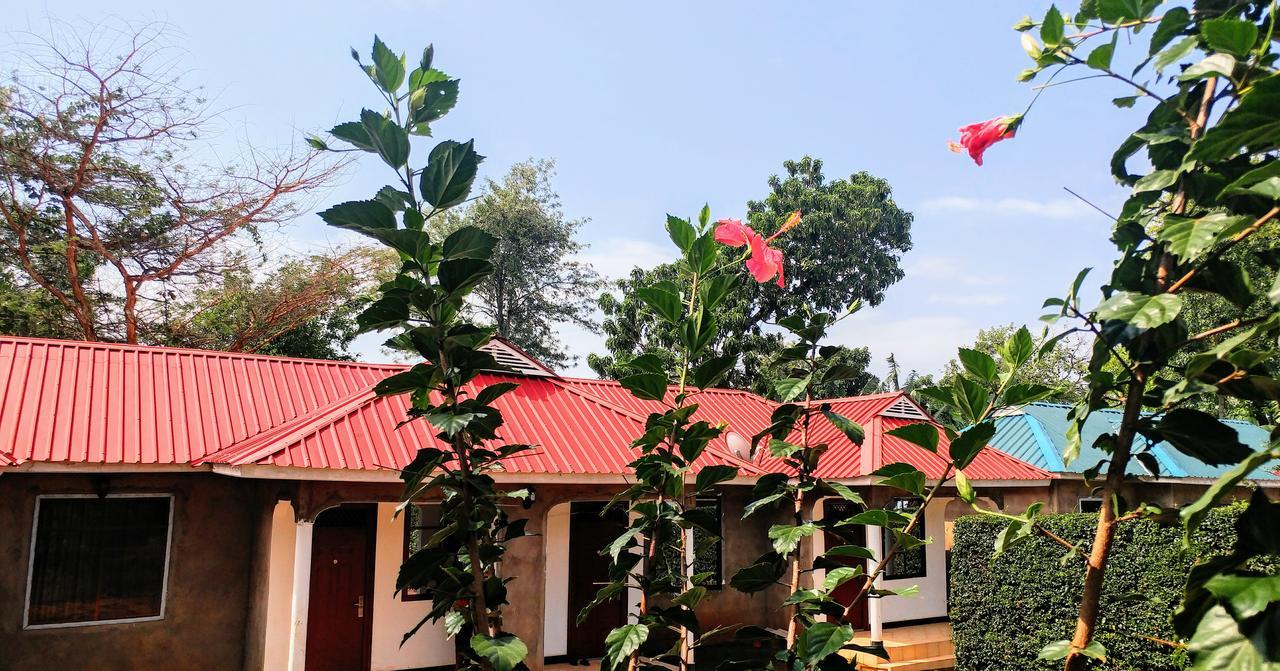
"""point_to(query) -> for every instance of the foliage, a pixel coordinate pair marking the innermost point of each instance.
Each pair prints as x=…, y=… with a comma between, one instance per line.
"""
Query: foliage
x=1062, y=366
x=99, y=208
x=662, y=502
x=847, y=249
x=536, y=284
x=424, y=304
x=306, y=307
x=1005, y=608
x=1209, y=182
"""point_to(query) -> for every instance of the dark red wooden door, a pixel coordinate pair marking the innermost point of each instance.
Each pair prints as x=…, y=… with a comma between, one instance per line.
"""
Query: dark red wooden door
x=339, y=609
x=849, y=535
x=588, y=572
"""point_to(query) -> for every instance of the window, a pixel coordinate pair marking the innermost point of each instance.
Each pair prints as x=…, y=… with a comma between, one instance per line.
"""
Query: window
x=1089, y=504
x=420, y=522
x=906, y=563
x=96, y=560
x=706, y=547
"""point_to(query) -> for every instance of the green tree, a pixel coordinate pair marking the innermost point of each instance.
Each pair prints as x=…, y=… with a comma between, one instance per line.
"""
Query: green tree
x=1063, y=366
x=846, y=249
x=537, y=283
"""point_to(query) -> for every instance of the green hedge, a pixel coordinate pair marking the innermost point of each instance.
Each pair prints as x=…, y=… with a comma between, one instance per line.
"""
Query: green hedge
x=1005, y=609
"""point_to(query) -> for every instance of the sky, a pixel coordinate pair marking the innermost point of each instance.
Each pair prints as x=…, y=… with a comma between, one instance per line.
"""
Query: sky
x=658, y=107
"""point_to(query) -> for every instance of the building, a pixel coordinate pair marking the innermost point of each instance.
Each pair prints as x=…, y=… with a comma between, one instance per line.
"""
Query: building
x=169, y=507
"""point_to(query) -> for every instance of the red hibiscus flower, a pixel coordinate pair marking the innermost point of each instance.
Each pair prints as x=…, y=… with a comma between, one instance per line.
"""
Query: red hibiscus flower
x=732, y=232
x=764, y=261
x=977, y=137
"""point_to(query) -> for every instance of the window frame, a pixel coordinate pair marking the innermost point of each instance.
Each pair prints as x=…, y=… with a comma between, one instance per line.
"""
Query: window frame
x=886, y=540
x=1080, y=502
x=405, y=594
x=31, y=561
x=718, y=502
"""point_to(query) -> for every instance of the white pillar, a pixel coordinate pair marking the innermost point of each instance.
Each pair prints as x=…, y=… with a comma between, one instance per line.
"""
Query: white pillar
x=301, y=596
x=874, y=615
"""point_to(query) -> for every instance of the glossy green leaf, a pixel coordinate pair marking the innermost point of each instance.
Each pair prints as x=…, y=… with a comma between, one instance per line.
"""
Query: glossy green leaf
x=821, y=639
x=450, y=172
x=665, y=303
x=502, y=652
x=681, y=232
x=978, y=364
x=1252, y=124
x=469, y=242
x=386, y=137
x=964, y=490
x=710, y=476
x=1175, y=53
x=462, y=275
x=1140, y=310
x=1214, y=65
x=623, y=641
x=1234, y=36
x=786, y=537
x=362, y=216
x=1174, y=21
x=970, y=442
x=711, y=371
x=647, y=386
x=1189, y=239
x=1202, y=436
x=851, y=429
x=788, y=389
x=923, y=434
x=1051, y=28
x=438, y=98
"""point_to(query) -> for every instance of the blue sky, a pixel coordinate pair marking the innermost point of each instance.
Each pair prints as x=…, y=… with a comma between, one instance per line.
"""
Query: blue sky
x=658, y=107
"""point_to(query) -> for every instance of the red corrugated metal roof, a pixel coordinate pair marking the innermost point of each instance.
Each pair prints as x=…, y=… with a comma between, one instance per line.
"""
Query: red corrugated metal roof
x=80, y=402
x=85, y=402
x=575, y=433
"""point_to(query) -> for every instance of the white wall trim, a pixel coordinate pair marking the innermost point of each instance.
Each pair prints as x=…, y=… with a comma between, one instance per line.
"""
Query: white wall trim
x=31, y=562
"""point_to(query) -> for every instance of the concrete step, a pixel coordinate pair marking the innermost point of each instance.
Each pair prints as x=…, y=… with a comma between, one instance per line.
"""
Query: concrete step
x=935, y=663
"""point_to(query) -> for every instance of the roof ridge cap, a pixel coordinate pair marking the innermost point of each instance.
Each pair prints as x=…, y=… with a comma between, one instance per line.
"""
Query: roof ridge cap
x=192, y=351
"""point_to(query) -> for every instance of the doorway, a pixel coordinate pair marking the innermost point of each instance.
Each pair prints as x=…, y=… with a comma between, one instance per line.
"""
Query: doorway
x=588, y=572
x=339, y=612
x=847, y=535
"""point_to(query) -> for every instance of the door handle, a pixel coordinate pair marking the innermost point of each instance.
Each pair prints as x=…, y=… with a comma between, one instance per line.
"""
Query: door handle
x=359, y=604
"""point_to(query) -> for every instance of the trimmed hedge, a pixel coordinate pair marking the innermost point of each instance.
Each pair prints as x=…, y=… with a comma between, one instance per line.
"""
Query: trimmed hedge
x=1005, y=609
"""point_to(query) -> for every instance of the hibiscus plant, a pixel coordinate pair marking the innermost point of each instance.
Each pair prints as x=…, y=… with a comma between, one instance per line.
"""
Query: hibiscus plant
x=456, y=566
x=1207, y=187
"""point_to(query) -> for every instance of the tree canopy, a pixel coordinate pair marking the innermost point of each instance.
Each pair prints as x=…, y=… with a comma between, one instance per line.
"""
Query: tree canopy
x=846, y=249
x=538, y=282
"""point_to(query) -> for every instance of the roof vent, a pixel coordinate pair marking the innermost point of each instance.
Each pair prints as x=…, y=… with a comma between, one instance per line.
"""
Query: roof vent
x=904, y=408
x=515, y=360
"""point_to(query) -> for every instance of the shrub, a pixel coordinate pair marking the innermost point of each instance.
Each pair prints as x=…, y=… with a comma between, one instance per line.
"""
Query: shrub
x=1005, y=609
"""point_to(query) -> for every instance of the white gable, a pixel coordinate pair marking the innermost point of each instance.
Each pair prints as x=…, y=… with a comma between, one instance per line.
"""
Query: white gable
x=513, y=360
x=904, y=408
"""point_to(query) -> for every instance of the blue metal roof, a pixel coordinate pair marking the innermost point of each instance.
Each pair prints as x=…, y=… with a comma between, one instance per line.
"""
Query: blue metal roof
x=1037, y=434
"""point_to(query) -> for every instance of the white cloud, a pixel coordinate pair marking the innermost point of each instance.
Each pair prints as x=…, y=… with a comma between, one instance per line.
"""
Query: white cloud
x=614, y=258
x=1061, y=208
x=951, y=270
x=921, y=343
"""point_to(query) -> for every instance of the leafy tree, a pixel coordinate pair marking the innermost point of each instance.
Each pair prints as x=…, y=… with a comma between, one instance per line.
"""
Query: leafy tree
x=846, y=249
x=306, y=307
x=536, y=284
x=1063, y=366
x=93, y=134
x=424, y=303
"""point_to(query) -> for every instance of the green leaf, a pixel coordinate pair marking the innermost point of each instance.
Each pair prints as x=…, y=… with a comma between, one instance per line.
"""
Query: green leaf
x=1262, y=181
x=1219, y=645
x=711, y=371
x=1140, y=310
x=851, y=429
x=462, y=275
x=450, y=171
x=353, y=133
x=1245, y=595
x=438, y=98
x=963, y=489
x=970, y=442
x=666, y=304
x=1252, y=125
x=681, y=232
x=363, y=216
x=856, y=551
x=647, y=386
x=839, y=576
x=788, y=389
x=821, y=639
x=760, y=575
x=711, y=476
x=1215, y=65
x=978, y=364
x=1175, y=53
x=1019, y=348
x=1021, y=393
x=1155, y=181
x=1233, y=36
x=923, y=434
x=1201, y=436
x=1051, y=29
x=786, y=538
x=1171, y=25
x=1189, y=239
x=1120, y=11
x=623, y=641
x=388, y=67
x=1100, y=57
x=1124, y=102
x=908, y=481
x=845, y=492
x=453, y=622
x=971, y=398
x=469, y=242
x=387, y=138
x=503, y=652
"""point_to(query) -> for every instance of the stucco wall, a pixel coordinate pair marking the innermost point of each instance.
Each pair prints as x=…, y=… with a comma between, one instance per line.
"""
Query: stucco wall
x=208, y=584
x=392, y=616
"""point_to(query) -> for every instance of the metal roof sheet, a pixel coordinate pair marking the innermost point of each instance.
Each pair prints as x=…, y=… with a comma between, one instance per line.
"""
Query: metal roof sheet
x=1037, y=434
x=89, y=402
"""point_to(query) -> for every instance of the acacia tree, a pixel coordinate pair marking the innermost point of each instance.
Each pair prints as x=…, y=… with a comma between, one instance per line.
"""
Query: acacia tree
x=95, y=137
x=1210, y=183
x=847, y=249
x=537, y=284
x=424, y=304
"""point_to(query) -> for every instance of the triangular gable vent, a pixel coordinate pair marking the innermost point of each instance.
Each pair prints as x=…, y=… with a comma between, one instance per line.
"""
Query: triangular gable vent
x=905, y=409
x=515, y=360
